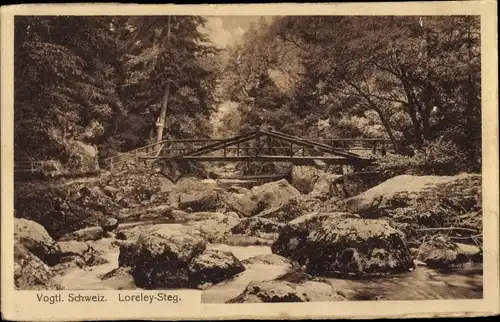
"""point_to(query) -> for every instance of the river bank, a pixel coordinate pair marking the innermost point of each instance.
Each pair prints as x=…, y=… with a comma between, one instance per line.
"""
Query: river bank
x=421, y=284
x=267, y=243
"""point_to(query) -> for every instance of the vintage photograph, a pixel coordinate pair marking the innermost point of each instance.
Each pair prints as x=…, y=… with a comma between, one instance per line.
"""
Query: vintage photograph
x=255, y=158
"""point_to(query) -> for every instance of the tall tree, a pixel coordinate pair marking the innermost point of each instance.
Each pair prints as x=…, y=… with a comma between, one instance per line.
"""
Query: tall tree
x=65, y=85
x=183, y=63
x=398, y=65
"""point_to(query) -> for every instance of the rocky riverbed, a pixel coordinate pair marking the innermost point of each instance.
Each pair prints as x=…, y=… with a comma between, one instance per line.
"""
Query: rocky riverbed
x=406, y=238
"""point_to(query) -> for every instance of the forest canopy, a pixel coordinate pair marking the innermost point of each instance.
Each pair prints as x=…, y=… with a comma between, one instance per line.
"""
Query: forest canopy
x=412, y=80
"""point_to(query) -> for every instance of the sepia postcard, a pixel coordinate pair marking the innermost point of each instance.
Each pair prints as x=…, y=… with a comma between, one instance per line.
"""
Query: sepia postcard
x=249, y=161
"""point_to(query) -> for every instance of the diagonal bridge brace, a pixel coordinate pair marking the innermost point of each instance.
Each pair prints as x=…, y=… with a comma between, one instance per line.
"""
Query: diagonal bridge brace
x=220, y=145
x=311, y=144
x=197, y=154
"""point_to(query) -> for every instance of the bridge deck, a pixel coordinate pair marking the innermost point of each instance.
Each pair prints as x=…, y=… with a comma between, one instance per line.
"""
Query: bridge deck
x=272, y=177
x=270, y=158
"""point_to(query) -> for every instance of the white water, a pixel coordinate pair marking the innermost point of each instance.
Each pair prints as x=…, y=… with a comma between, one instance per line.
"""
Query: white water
x=76, y=278
x=421, y=284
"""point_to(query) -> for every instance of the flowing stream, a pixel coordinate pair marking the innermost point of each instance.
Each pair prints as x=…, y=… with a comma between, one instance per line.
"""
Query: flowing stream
x=421, y=284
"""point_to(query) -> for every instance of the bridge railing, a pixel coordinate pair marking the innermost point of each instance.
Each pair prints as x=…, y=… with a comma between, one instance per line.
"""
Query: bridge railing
x=35, y=166
x=178, y=147
x=158, y=148
x=28, y=166
x=359, y=144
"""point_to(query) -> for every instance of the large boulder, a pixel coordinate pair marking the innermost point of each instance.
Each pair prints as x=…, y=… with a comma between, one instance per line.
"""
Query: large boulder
x=127, y=255
x=62, y=208
x=82, y=157
x=194, y=195
x=341, y=244
x=109, y=224
x=73, y=247
x=30, y=272
x=474, y=253
x=151, y=212
x=80, y=253
x=131, y=234
x=440, y=252
x=244, y=240
x=267, y=196
x=287, y=211
x=289, y=288
x=273, y=194
x=118, y=279
x=36, y=239
x=268, y=259
x=325, y=187
x=304, y=178
x=216, y=227
x=90, y=233
x=242, y=202
x=110, y=191
x=161, y=257
x=427, y=206
x=258, y=227
x=213, y=266
x=204, y=200
x=175, y=257
x=407, y=190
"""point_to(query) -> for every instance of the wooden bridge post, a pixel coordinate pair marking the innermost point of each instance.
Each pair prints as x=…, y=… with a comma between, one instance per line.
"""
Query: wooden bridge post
x=257, y=145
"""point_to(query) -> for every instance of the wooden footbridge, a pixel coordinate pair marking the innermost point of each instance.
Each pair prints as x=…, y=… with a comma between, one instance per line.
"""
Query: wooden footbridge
x=260, y=146
x=256, y=146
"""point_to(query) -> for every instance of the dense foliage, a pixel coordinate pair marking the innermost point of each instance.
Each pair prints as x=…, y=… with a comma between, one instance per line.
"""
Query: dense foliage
x=102, y=80
x=65, y=85
x=413, y=80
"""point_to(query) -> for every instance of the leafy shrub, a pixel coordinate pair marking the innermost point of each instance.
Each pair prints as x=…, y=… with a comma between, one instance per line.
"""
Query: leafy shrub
x=439, y=157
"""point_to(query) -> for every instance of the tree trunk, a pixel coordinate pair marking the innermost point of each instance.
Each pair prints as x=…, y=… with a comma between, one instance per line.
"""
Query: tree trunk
x=163, y=113
x=381, y=115
x=387, y=127
x=429, y=90
x=412, y=111
x=164, y=103
x=426, y=128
